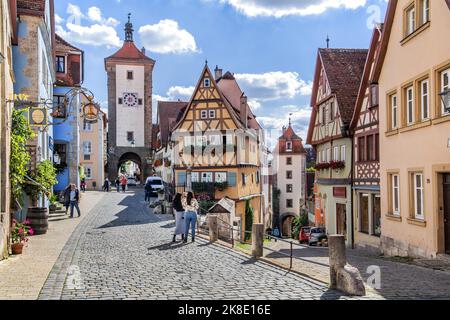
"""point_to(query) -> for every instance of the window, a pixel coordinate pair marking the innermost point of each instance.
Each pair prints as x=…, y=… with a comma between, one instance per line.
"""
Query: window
x=377, y=147
x=424, y=100
x=425, y=11
x=324, y=115
x=410, y=118
x=258, y=177
x=289, y=161
x=394, y=112
x=120, y=100
x=332, y=111
x=370, y=148
x=60, y=108
x=204, y=114
x=395, y=194
x=336, y=153
x=289, y=146
x=207, y=177
x=289, y=175
x=374, y=95
x=88, y=172
x=140, y=102
x=212, y=114
x=445, y=85
x=87, y=127
x=324, y=156
x=343, y=153
x=195, y=177
x=61, y=64
x=244, y=179
x=289, y=188
x=418, y=195
x=410, y=20
x=289, y=203
x=220, y=177
x=361, y=149
x=60, y=154
x=376, y=215
x=329, y=154
x=364, y=213
x=87, y=147
x=130, y=75
x=130, y=136
x=207, y=83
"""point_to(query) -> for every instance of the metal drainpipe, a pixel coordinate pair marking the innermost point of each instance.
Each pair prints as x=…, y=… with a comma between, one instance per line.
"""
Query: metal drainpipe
x=351, y=188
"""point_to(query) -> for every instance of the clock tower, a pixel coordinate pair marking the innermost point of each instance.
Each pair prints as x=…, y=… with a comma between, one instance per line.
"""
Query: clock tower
x=129, y=73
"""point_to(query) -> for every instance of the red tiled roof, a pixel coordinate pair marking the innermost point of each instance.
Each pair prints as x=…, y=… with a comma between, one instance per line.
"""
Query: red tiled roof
x=129, y=51
x=344, y=69
x=168, y=114
x=32, y=7
x=61, y=41
x=297, y=144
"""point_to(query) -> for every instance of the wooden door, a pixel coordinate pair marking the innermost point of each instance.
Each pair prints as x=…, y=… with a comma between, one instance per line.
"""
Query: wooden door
x=341, y=219
x=447, y=212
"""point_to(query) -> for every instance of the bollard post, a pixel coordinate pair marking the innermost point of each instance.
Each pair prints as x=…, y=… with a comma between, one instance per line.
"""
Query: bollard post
x=338, y=258
x=213, y=228
x=257, y=240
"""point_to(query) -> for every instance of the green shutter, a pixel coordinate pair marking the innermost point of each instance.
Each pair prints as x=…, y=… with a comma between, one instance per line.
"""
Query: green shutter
x=181, y=178
x=232, y=179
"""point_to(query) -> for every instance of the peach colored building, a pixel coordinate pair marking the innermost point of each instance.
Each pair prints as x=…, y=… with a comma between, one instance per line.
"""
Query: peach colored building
x=93, y=152
x=413, y=68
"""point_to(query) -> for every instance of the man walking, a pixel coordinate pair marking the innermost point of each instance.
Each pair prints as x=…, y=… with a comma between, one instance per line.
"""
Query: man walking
x=74, y=200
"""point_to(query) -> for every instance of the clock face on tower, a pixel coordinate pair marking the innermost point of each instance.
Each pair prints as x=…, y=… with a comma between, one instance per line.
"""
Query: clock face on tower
x=130, y=99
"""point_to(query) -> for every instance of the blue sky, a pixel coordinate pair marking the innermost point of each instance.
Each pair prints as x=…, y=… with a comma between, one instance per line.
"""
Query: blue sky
x=270, y=45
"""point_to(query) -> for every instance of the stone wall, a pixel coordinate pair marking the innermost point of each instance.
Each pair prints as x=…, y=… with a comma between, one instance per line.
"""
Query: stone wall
x=396, y=248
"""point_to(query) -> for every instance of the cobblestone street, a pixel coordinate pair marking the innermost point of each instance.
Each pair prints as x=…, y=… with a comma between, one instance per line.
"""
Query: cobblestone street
x=123, y=251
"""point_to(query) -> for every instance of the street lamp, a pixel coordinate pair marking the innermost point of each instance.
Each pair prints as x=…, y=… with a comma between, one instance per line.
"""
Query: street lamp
x=445, y=97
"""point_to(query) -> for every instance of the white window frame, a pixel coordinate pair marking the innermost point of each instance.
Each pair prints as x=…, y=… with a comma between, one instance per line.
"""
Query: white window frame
x=425, y=99
x=86, y=170
x=443, y=88
x=289, y=146
x=203, y=114
x=410, y=114
x=417, y=189
x=220, y=177
x=336, y=153
x=324, y=156
x=411, y=20
x=395, y=191
x=328, y=154
x=394, y=111
x=207, y=177
x=212, y=114
x=195, y=177
x=425, y=11
x=343, y=153
x=89, y=151
x=207, y=83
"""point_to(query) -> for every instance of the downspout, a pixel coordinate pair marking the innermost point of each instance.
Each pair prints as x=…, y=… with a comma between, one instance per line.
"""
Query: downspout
x=351, y=196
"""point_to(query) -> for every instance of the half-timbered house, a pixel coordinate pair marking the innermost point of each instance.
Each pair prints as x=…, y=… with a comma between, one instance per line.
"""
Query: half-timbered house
x=366, y=161
x=336, y=83
x=219, y=142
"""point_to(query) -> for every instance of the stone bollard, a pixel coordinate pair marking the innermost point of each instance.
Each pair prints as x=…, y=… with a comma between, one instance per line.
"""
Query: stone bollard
x=213, y=229
x=343, y=276
x=258, y=240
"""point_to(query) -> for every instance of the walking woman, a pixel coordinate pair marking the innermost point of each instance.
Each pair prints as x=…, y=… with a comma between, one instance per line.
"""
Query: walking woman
x=190, y=206
x=180, y=225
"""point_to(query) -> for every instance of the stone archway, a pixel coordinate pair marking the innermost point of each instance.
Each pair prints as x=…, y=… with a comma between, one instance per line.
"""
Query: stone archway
x=133, y=157
x=286, y=220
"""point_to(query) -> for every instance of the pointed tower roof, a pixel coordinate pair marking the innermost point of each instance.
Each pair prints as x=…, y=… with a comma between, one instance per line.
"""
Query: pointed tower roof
x=129, y=51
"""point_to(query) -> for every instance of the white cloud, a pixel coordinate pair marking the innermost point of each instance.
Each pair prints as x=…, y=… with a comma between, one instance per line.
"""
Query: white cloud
x=100, y=32
x=178, y=92
x=273, y=85
x=58, y=19
x=167, y=37
x=281, y=8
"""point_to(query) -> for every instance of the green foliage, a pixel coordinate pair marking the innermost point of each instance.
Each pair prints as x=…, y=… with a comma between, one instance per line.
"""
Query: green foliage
x=21, y=132
x=53, y=199
x=221, y=186
x=45, y=176
x=249, y=215
x=81, y=172
x=205, y=206
x=298, y=223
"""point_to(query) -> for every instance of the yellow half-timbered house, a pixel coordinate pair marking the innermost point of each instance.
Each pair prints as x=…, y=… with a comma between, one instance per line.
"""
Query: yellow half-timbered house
x=218, y=142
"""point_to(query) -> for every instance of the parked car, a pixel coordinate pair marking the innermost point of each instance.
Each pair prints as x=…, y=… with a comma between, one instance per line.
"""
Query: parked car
x=156, y=184
x=316, y=236
x=303, y=236
x=132, y=182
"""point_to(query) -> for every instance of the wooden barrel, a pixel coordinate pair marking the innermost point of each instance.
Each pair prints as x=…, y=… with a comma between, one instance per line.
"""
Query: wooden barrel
x=38, y=218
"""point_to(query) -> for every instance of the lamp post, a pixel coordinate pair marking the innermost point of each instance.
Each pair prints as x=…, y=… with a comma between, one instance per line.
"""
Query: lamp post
x=445, y=97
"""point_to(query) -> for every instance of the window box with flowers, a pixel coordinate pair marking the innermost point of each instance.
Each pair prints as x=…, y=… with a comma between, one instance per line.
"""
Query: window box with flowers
x=158, y=163
x=19, y=236
x=337, y=165
x=322, y=166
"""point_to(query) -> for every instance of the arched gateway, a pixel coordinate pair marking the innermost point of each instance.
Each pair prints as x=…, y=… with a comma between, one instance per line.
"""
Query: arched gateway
x=129, y=106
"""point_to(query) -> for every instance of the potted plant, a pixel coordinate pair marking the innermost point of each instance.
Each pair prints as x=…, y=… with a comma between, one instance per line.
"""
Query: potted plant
x=53, y=203
x=19, y=236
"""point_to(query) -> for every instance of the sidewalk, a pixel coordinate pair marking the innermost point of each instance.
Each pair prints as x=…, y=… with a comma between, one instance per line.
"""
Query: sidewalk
x=22, y=277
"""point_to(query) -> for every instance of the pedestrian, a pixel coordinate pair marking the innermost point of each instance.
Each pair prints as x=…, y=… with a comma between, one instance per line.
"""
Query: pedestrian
x=106, y=185
x=74, y=200
x=83, y=185
x=148, y=191
x=190, y=206
x=117, y=182
x=124, y=183
x=180, y=226
x=67, y=198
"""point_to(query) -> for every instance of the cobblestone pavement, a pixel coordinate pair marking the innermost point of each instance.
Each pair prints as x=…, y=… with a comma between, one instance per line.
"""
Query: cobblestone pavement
x=123, y=251
x=398, y=280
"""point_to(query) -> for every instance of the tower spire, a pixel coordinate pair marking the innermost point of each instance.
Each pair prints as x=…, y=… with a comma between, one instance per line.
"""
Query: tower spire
x=328, y=42
x=129, y=30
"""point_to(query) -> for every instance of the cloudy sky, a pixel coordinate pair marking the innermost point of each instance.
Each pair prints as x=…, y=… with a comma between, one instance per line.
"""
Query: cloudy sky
x=270, y=45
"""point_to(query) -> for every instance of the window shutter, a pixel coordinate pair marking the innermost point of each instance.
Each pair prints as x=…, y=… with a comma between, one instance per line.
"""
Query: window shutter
x=232, y=179
x=181, y=178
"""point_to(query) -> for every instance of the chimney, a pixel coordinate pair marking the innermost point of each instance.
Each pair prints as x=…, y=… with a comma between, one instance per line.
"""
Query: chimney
x=143, y=50
x=244, y=110
x=218, y=73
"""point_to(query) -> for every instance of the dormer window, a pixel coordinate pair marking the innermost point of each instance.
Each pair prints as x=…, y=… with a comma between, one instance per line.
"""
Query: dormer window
x=289, y=146
x=207, y=83
x=61, y=64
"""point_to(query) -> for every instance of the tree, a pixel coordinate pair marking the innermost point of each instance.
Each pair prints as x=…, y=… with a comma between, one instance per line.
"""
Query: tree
x=249, y=215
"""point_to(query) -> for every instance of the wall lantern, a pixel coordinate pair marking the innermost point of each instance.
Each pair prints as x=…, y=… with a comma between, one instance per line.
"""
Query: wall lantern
x=90, y=111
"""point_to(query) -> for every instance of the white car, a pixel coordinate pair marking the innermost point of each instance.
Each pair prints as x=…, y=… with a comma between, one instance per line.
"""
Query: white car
x=156, y=185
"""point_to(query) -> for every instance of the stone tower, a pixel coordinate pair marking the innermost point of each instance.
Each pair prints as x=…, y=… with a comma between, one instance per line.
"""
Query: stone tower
x=129, y=106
